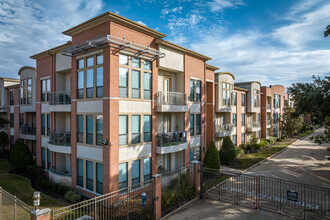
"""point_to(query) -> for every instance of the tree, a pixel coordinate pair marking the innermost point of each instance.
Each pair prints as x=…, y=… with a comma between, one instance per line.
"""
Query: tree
x=327, y=31
x=312, y=98
x=211, y=159
x=227, y=152
x=320, y=139
x=3, y=122
x=4, y=141
x=20, y=155
x=290, y=122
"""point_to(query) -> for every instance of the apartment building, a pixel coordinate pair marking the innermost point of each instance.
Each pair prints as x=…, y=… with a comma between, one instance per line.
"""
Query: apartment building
x=118, y=104
x=272, y=104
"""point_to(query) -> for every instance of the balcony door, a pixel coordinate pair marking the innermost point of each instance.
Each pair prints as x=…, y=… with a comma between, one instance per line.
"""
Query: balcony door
x=167, y=88
x=167, y=123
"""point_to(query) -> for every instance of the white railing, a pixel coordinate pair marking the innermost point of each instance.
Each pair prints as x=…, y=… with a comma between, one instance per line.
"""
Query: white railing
x=224, y=127
x=268, y=122
x=172, y=98
x=254, y=124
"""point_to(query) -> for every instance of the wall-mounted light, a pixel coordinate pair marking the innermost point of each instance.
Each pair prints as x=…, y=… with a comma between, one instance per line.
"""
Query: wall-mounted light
x=36, y=199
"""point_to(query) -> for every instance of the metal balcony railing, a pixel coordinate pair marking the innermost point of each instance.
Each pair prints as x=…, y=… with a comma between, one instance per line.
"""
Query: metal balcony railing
x=60, y=138
x=224, y=127
x=171, y=138
x=255, y=124
x=53, y=170
x=268, y=122
x=268, y=107
x=172, y=98
x=27, y=129
x=59, y=98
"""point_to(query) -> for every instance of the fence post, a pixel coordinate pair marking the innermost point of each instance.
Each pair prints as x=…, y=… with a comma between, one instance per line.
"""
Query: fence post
x=201, y=193
x=195, y=174
x=15, y=201
x=43, y=214
x=257, y=191
x=157, y=196
x=0, y=203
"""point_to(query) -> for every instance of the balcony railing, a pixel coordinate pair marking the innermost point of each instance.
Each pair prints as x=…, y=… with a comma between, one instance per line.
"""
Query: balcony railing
x=224, y=127
x=27, y=129
x=60, y=138
x=268, y=122
x=268, y=107
x=255, y=124
x=171, y=138
x=53, y=170
x=59, y=98
x=172, y=98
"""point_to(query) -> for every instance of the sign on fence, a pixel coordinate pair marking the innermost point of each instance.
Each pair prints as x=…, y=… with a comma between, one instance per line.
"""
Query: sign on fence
x=292, y=195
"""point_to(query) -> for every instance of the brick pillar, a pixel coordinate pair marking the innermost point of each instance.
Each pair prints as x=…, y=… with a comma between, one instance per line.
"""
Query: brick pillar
x=157, y=196
x=43, y=214
x=195, y=174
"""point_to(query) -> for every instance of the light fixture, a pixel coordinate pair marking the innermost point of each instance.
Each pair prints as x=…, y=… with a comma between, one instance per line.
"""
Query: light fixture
x=36, y=199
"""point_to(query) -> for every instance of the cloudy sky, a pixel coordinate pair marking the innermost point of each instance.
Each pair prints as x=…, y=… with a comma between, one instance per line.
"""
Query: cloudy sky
x=275, y=42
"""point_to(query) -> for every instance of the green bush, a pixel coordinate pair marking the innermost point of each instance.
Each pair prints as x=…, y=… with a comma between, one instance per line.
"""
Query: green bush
x=263, y=144
x=253, y=146
x=239, y=151
x=72, y=197
x=227, y=152
x=304, y=127
x=272, y=140
x=31, y=170
x=243, y=147
x=211, y=158
x=20, y=155
x=4, y=142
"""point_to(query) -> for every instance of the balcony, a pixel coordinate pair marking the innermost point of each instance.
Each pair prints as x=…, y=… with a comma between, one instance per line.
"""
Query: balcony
x=253, y=126
x=60, y=101
x=171, y=142
x=27, y=132
x=269, y=108
x=172, y=102
x=60, y=142
x=224, y=130
x=268, y=124
x=3, y=109
x=63, y=178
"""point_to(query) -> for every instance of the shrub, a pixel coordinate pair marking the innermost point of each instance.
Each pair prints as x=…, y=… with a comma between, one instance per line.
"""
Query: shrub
x=263, y=144
x=272, y=140
x=4, y=142
x=20, y=155
x=72, y=197
x=227, y=152
x=239, y=151
x=31, y=170
x=253, y=146
x=211, y=158
x=304, y=127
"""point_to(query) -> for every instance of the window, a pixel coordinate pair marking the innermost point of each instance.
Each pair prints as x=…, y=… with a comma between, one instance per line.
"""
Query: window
x=45, y=90
x=21, y=119
x=198, y=91
x=43, y=158
x=198, y=124
x=243, y=138
x=11, y=121
x=135, y=129
x=258, y=117
x=48, y=158
x=11, y=94
x=147, y=169
x=147, y=85
x=195, y=90
x=90, y=77
x=122, y=175
x=136, y=173
x=227, y=94
x=80, y=171
x=136, y=62
x=243, y=119
x=234, y=139
x=48, y=124
x=26, y=91
x=277, y=101
x=256, y=98
x=242, y=99
x=80, y=128
x=192, y=90
x=123, y=59
x=192, y=122
x=235, y=98
x=147, y=128
x=12, y=141
x=89, y=175
x=123, y=129
x=123, y=82
x=136, y=84
x=99, y=178
x=43, y=124
x=234, y=119
x=89, y=129
x=99, y=129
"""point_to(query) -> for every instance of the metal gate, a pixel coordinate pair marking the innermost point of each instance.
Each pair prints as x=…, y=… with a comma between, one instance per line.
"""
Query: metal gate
x=122, y=204
x=289, y=198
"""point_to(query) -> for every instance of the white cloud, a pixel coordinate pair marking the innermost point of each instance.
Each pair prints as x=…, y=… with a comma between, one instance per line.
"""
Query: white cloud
x=142, y=23
x=28, y=27
x=166, y=11
x=218, y=5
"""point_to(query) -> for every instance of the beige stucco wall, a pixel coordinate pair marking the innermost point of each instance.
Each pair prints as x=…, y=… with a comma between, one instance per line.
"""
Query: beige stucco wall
x=172, y=60
x=62, y=62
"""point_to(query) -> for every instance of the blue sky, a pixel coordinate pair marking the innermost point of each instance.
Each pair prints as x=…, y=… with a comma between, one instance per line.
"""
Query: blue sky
x=275, y=42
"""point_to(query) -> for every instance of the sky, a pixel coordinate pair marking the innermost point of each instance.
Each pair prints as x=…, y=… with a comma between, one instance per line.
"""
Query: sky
x=274, y=42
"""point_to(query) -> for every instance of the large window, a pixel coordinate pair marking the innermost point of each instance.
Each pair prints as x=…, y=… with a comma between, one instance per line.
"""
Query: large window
x=137, y=71
x=80, y=128
x=11, y=96
x=192, y=123
x=198, y=124
x=43, y=158
x=12, y=141
x=90, y=77
x=26, y=91
x=45, y=90
x=256, y=98
x=192, y=90
x=147, y=128
x=242, y=99
x=89, y=129
x=195, y=90
x=147, y=169
x=80, y=172
x=48, y=158
x=99, y=129
x=135, y=129
x=243, y=138
x=227, y=94
x=277, y=101
x=234, y=119
x=43, y=124
x=99, y=178
x=243, y=119
x=234, y=139
x=89, y=175
x=136, y=173
x=11, y=121
x=123, y=175
x=123, y=129
x=48, y=124
x=235, y=98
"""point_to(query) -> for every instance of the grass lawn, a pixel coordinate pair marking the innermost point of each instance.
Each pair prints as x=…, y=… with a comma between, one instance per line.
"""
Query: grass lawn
x=303, y=134
x=253, y=158
x=21, y=187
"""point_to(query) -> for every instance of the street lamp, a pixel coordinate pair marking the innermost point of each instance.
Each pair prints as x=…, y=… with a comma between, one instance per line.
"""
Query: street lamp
x=36, y=199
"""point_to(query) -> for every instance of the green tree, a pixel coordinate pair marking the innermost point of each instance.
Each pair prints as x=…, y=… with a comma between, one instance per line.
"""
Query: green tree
x=312, y=98
x=327, y=31
x=3, y=122
x=4, y=141
x=20, y=155
x=227, y=152
x=211, y=159
x=325, y=138
x=290, y=122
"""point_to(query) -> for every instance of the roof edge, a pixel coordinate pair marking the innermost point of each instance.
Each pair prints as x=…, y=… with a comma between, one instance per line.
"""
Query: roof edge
x=25, y=67
x=249, y=82
x=212, y=67
x=51, y=51
x=229, y=73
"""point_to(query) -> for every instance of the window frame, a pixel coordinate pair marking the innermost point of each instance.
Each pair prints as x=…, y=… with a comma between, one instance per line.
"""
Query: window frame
x=243, y=99
x=45, y=85
x=24, y=91
x=227, y=90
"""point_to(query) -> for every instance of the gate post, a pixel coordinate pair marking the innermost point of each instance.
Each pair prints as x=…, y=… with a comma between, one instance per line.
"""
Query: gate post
x=256, y=179
x=195, y=174
x=157, y=196
x=0, y=203
x=43, y=214
x=201, y=193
